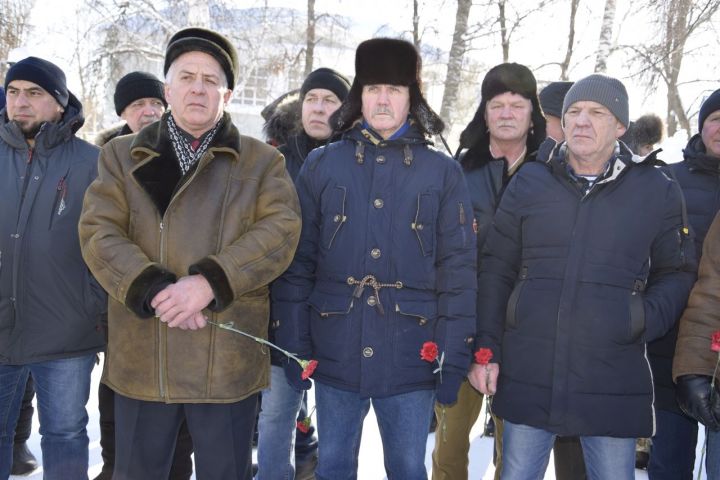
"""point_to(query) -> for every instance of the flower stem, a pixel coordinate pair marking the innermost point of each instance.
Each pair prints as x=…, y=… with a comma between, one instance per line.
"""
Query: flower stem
x=230, y=326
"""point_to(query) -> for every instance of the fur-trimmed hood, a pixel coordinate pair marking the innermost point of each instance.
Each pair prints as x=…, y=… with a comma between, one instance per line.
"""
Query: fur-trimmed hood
x=104, y=136
x=282, y=118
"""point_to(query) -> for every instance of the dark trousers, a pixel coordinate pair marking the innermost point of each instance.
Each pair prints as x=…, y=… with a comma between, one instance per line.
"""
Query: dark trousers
x=146, y=434
x=181, y=468
x=569, y=460
x=672, y=453
x=24, y=423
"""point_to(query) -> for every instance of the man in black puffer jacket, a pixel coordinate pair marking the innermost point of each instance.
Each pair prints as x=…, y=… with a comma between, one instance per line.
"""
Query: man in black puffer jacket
x=321, y=94
x=587, y=260
x=672, y=455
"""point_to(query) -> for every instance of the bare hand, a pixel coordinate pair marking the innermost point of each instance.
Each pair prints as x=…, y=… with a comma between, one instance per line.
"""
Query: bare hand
x=179, y=304
x=484, y=377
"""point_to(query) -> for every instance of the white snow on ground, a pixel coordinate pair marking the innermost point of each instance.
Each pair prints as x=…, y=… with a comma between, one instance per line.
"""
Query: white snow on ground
x=371, y=459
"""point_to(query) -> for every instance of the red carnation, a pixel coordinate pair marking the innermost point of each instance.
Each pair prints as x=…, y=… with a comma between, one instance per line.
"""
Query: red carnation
x=483, y=356
x=429, y=351
x=308, y=369
x=715, y=341
x=304, y=425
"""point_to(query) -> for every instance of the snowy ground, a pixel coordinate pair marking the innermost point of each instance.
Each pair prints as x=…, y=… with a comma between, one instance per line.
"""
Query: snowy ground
x=371, y=465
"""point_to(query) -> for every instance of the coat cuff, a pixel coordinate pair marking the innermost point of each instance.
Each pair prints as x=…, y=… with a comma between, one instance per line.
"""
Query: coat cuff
x=145, y=287
x=215, y=276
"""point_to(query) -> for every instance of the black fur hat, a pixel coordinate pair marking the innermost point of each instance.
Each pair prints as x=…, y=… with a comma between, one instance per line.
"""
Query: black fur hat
x=506, y=77
x=387, y=61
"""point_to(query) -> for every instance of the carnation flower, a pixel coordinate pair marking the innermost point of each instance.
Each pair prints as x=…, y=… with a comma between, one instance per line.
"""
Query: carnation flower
x=483, y=356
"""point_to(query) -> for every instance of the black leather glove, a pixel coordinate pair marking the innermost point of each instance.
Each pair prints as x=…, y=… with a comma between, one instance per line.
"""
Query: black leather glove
x=446, y=391
x=693, y=396
x=293, y=374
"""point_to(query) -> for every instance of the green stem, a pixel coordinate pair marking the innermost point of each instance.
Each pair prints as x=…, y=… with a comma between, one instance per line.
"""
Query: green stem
x=228, y=326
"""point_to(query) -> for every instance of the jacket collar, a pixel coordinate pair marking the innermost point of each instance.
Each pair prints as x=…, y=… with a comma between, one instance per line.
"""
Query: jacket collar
x=697, y=158
x=157, y=170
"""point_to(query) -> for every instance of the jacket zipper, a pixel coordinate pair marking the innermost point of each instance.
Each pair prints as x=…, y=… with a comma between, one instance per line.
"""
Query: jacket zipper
x=162, y=333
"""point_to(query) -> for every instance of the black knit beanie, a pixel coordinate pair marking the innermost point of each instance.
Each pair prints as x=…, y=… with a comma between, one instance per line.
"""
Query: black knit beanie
x=328, y=79
x=136, y=85
x=711, y=104
x=41, y=72
x=607, y=91
x=552, y=96
x=202, y=40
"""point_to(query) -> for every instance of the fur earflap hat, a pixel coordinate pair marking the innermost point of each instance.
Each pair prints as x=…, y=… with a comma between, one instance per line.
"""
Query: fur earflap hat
x=506, y=77
x=387, y=61
x=197, y=39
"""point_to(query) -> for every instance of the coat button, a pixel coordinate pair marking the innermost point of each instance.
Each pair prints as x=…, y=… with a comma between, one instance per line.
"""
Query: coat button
x=419, y=226
x=380, y=159
x=368, y=352
x=378, y=203
x=336, y=218
x=372, y=301
x=375, y=253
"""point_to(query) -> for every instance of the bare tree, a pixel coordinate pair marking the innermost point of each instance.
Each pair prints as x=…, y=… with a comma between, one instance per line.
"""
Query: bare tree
x=310, y=40
x=510, y=19
x=661, y=60
x=14, y=25
x=416, y=24
x=455, y=61
x=606, y=31
x=565, y=64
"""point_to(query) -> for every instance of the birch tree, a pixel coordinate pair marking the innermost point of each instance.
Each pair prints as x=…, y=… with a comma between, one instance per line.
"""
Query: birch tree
x=606, y=32
x=14, y=26
x=455, y=62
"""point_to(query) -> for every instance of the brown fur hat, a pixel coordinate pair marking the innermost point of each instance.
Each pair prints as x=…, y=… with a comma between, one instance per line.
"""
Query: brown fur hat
x=387, y=61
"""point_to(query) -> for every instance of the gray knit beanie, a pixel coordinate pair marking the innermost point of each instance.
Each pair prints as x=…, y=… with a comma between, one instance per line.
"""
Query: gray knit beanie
x=607, y=91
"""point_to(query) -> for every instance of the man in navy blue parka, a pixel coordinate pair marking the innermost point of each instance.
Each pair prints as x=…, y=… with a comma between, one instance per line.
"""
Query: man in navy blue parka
x=386, y=262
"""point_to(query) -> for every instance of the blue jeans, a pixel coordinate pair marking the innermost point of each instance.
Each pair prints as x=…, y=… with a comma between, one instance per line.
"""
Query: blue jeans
x=403, y=421
x=276, y=428
x=62, y=388
x=712, y=454
x=672, y=454
x=526, y=451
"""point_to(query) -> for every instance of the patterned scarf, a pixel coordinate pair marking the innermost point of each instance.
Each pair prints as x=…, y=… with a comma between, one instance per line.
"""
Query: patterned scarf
x=187, y=155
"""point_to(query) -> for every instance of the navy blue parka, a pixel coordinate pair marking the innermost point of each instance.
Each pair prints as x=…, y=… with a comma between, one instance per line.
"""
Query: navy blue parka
x=575, y=279
x=400, y=211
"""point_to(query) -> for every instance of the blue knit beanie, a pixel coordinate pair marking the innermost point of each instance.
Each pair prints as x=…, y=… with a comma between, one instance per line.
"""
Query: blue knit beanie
x=41, y=72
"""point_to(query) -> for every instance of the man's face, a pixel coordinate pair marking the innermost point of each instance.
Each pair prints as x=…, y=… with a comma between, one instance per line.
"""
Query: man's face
x=196, y=91
x=317, y=106
x=385, y=107
x=711, y=134
x=553, y=128
x=591, y=130
x=142, y=112
x=30, y=106
x=508, y=117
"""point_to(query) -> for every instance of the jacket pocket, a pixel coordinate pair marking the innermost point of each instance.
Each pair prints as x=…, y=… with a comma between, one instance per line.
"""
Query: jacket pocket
x=330, y=328
x=414, y=325
x=424, y=222
x=58, y=205
x=333, y=214
x=637, y=311
x=511, y=320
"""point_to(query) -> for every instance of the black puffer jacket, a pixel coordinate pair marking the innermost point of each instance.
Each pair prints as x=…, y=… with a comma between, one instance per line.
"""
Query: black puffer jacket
x=574, y=280
x=699, y=178
x=50, y=305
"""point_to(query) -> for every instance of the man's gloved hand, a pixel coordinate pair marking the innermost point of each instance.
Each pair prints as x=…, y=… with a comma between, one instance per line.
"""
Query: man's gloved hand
x=446, y=391
x=693, y=396
x=293, y=374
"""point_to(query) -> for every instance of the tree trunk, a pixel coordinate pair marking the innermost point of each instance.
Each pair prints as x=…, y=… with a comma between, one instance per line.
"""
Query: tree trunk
x=504, y=38
x=676, y=36
x=455, y=61
x=310, y=48
x=416, y=24
x=605, y=42
x=565, y=65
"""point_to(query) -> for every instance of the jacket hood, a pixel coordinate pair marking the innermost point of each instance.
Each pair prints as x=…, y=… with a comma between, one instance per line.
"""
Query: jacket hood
x=282, y=118
x=51, y=134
